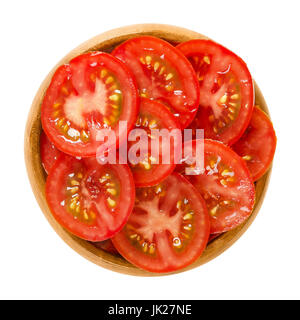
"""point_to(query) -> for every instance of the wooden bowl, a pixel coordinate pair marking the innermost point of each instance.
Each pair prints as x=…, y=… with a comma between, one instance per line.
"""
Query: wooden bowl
x=106, y=42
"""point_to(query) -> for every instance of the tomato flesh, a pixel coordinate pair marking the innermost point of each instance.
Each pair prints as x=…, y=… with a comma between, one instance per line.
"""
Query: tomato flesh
x=49, y=153
x=168, y=229
x=94, y=91
x=151, y=170
x=90, y=200
x=226, y=90
x=163, y=74
x=225, y=184
x=257, y=145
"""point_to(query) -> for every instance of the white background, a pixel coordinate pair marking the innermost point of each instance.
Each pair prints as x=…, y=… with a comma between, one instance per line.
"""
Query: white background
x=36, y=263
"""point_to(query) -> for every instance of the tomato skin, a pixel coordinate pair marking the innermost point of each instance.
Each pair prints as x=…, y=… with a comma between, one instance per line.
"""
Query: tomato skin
x=225, y=184
x=258, y=143
x=222, y=61
x=150, y=111
x=107, y=246
x=183, y=99
x=213, y=236
x=165, y=259
x=49, y=153
x=74, y=78
x=105, y=223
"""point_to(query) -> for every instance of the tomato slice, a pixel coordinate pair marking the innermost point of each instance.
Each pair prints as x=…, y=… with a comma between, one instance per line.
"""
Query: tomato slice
x=49, y=153
x=226, y=90
x=225, y=184
x=162, y=73
x=168, y=229
x=90, y=200
x=257, y=145
x=94, y=91
x=151, y=170
x=107, y=246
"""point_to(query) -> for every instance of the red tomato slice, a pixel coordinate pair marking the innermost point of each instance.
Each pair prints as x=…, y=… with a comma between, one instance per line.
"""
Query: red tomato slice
x=94, y=91
x=154, y=116
x=49, y=153
x=168, y=229
x=225, y=184
x=90, y=200
x=162, y=73
x=106, y=245
x=226, y=90
x=257, y=145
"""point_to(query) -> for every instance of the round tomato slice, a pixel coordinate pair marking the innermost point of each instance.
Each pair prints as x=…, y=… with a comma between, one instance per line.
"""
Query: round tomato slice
x=90, y=200
x=106, y=245
x=257, y=145
x=49, y=153
x=94, y=91
x=168, y=229
x=152, y=168
x=225, y=184
x=226, y=90
x=162, y=73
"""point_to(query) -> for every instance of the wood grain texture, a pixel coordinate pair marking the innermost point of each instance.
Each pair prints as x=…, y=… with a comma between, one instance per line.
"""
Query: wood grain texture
x=106, y=42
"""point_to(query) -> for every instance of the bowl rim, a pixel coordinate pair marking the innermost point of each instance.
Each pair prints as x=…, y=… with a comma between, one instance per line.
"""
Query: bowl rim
x=37, y=175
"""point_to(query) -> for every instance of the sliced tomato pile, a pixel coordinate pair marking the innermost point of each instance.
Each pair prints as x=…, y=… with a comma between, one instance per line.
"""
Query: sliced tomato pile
x=225, y=184
x=257, y=145
x=163, y=200
x=163, y=74
x=90, y=200
x=94, y=91
x=168, y=228
x=150, y=170
x=226, y=90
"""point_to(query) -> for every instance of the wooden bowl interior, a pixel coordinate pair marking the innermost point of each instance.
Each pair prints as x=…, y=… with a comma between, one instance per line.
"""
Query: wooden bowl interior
x=106, y=42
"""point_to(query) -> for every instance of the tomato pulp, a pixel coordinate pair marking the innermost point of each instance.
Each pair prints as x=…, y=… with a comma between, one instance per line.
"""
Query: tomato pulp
x=94, y=91
x=226, y=90
x=257, y=145
x=162, y=73
x=152, y=168
x=168, y=229
x=90, y=200
x=225, y=184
